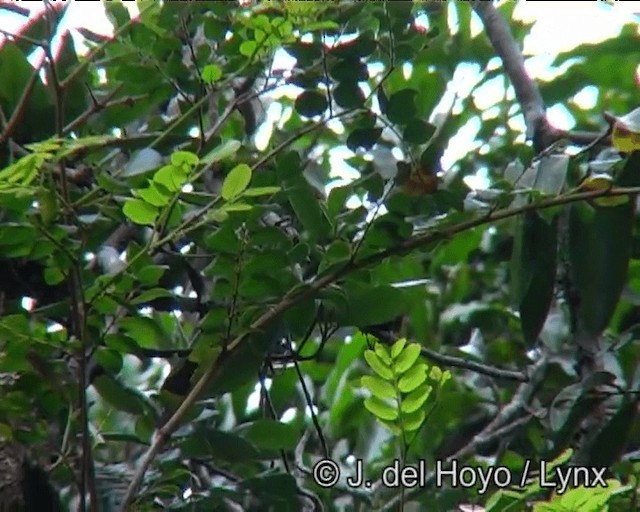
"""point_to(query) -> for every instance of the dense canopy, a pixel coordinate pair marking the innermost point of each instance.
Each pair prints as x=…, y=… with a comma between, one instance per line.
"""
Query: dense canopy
x=251, y=259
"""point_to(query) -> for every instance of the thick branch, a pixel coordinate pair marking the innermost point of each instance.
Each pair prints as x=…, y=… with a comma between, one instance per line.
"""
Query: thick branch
x=527, y=91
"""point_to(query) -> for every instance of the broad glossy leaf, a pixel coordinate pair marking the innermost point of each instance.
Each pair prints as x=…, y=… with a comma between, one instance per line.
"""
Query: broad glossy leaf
x=533, y=271
x=309, y=210
x=211, y=73
x=179, y=158
x=599, y=252
x=349, y=70
x=226, y=446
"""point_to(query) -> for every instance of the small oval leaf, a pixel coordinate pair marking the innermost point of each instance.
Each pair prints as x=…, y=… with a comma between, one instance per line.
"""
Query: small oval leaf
x=140, y=212
x=380, y=409
x=236, y=182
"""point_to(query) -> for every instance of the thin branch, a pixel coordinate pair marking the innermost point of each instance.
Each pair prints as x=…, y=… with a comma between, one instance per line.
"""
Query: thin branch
x=458, y=362
x=98, y=106
x=76, y=292
x=310, y=289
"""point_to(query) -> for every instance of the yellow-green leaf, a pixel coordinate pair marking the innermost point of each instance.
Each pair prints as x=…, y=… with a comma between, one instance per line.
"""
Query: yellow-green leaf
x=383, y=353
x=140, y=212
x=413, y=378
x=397, y=347
x=414, y=400
x=380, y=409
x=414, y=420
x=222, y=152
x=377, y=386
x=236, y=182
x=377, y=365
x=407, y=358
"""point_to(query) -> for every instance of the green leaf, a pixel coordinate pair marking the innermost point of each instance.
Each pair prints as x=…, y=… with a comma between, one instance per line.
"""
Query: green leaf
x=599, y=253
x=372, y=305
x=48, y=206
x=348, y=95
x=413, y=421
x=406, y=358
x=364, y=138
x=149, y=275
x=222, y=152
x=150, y=295
x=140, y=212
x=533, y=272
x=147, y=332
x=401, y=107
x=236, y=207
x=309, y=211
x=380, y=409
x=236, y=182
x=261, y=191
x=395, y=430
x=382, y=352
x=311, y=103
x=226, y=446
x=153, y=196
x=211, y=73
x=171, y=177
x=416, y=399
x=248, y=48
x=416, y=376
x=377, y=365
x=417, y=131
x=349, y=70
x=272, y=435
x=179, y=158
x=53, y=275
x=118, y=395
x=380, y=388
x=397, y=347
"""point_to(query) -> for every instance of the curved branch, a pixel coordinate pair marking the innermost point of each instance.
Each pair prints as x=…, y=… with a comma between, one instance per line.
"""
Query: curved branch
x=527, y=91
